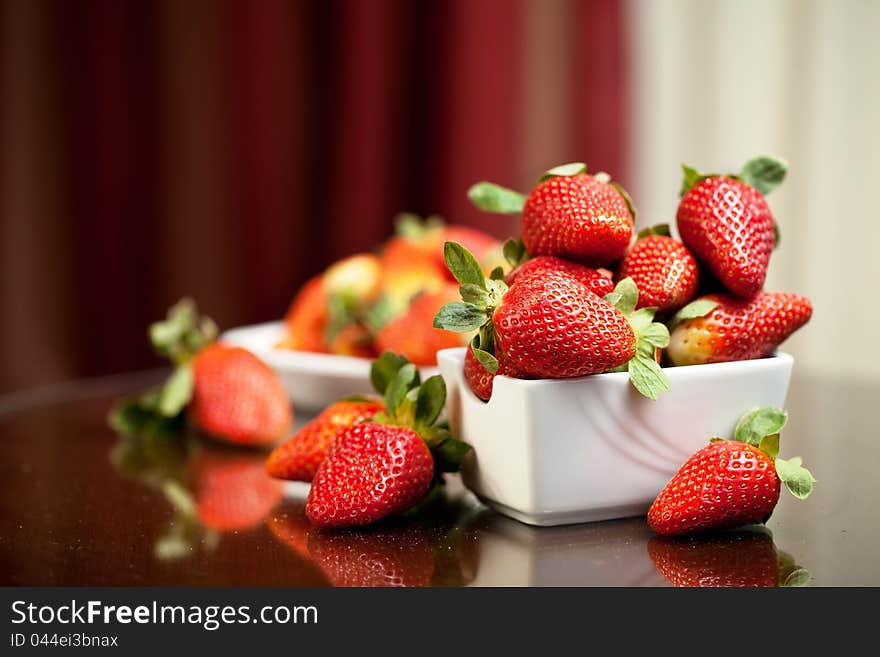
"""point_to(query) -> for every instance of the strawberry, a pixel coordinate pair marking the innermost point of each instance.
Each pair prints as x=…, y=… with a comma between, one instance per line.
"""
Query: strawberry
x=383, y=467
x=299, y=457
x=228, y=393
x=480, y=379
x=726, y=222
x=232, y=491
x=548, y=324
x=720, y=327
x=413, y=335
x=664, y=270
x=597, y=281
x=731, y=483
x=237, y=398
x=725, y=559
x=306, y=320
x=569, y=214
x=356, y=278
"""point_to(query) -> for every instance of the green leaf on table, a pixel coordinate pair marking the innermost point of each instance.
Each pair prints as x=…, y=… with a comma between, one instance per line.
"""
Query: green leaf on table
x=495, y=198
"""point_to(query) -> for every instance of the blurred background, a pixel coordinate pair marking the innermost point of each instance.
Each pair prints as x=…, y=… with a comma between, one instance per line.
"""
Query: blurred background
x=228, y=150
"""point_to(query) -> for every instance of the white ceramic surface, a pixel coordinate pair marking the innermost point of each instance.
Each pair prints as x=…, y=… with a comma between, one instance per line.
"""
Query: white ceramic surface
x=312, y=380
x=553, y=452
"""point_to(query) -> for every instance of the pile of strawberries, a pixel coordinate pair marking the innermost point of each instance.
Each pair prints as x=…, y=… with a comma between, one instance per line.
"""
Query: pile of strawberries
x=558, y=313
x=367, y=303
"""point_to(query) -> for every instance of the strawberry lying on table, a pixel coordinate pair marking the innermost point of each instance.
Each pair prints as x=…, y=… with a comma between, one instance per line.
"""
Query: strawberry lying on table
x=224, y=392
x=368, y=459
x=731, y=483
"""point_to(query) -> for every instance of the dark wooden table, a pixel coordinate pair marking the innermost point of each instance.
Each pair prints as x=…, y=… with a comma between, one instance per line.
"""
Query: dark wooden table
x=80, y=506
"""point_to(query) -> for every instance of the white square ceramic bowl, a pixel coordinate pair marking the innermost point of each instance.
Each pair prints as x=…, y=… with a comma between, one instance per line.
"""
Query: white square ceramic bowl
x=553, y=452
x=313, y=381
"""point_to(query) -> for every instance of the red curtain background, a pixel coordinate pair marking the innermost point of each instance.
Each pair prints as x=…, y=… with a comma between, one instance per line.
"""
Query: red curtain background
x=228, y=150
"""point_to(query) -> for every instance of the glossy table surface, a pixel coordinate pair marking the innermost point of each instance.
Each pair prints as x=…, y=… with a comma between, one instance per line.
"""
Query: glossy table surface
x=81, y=506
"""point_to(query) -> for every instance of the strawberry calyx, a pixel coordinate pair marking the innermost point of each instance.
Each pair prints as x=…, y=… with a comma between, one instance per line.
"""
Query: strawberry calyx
x=412, y=227
x=179, y=337
x=489, y=197
x=417, y=405
x=645, y=372
x=696, y=308
x=658, y=229
x=761, y=428
x=480, y=297
x=765, y=173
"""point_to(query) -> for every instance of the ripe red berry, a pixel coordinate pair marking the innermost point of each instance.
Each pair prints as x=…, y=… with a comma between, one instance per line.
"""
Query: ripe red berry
x=664, y=271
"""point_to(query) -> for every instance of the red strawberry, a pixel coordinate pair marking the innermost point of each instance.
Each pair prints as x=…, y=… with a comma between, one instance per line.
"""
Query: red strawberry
x=727, y=223
x=735, y=329
x=386, y=557
x=552, y=326
x=569, y=214
x=664, y=271
x=237, y=398
x=232, y=491
x=547, y=324
x=596, y=281
x=371, y=471
x=731, y=483
x=306, y=320
x=727, y=559
x=413, y=335
x=298, y=458
x=383, y=467
x=479, y=378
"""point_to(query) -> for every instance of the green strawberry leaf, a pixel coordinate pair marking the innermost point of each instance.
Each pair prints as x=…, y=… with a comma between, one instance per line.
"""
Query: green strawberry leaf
x=796, y=478
x=698, y=308
x=626, y=197
x=777, y=236
x=497, y=274
x=460, y=317
x=496, y=289
x=449, y=454
x=692, y=177
x=629, y=296
x=515, y=252
x=430, y=401
x=770, y=445
x=379, y=314
x=659, y=229
x=642, y=318
x=463, y=265
x=764, y=173
x=384, y=369
x=405, y=380
x=656, y=334
x=613, y=298
x=647, y=376
x=475, y=295
x=570, y=169
x=490, y=197
x=486, y=359
x=177, y=392
x=758, y=423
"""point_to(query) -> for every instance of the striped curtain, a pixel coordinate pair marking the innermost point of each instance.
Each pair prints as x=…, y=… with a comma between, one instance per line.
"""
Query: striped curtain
x=230, y=149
